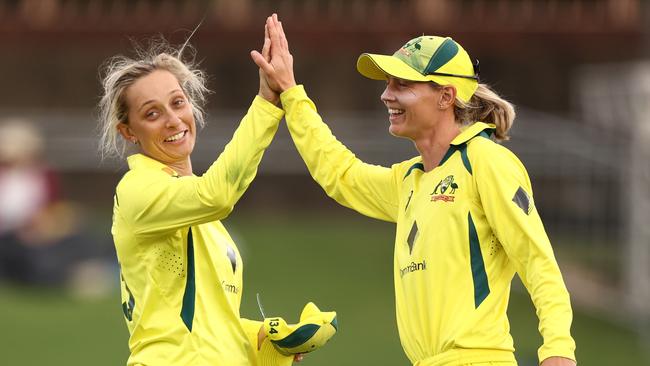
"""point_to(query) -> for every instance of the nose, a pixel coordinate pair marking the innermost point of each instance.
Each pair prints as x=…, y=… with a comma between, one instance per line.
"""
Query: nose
x=387, y=95
x=173, y=120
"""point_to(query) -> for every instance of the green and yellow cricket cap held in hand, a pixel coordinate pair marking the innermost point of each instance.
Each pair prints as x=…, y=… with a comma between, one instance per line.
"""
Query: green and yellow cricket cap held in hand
x=315, y=328
x=426, y=58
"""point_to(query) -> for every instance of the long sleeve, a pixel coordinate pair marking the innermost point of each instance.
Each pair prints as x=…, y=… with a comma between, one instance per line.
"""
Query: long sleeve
x=371, y=190
x=506, y=196
x=155, y=200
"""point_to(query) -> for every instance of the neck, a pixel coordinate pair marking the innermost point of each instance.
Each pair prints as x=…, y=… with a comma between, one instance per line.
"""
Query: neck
x=433, y=145
x=183, y=168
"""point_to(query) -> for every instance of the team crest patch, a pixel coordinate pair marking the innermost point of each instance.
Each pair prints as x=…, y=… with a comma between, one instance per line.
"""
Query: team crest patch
x=445, y=190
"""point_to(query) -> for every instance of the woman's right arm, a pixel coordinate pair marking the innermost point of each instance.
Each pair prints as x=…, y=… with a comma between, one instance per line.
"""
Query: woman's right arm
x=371, y=190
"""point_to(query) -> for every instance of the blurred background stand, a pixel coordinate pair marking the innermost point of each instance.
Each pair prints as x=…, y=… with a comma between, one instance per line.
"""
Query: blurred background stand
x=616, y=98
x=42, y=242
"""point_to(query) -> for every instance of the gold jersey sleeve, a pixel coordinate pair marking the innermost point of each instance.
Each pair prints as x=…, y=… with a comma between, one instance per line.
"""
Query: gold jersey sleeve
x=507, y=198
x=369, y=189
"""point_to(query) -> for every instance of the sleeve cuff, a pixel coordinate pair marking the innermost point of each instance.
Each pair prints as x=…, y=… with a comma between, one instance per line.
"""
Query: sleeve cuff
x=268, y=107
x=292, y=94
x=566, y=353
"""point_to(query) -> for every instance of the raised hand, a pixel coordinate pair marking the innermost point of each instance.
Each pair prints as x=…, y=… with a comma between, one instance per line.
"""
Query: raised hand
x=266, y=91
x=278, y=71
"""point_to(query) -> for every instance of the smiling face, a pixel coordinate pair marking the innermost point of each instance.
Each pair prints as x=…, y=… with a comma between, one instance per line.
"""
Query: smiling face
x=413, y=107
x=160, y=119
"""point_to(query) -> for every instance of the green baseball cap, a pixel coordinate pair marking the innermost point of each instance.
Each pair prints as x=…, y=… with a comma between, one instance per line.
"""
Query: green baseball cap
x=425, y=58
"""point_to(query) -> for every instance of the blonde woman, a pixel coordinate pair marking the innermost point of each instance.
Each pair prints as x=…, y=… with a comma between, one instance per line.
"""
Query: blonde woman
x=466, y=221
x=181, y=273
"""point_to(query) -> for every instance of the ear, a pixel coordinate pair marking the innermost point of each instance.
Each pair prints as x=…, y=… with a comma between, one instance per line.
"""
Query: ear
x=126, y=132
x=447, y=96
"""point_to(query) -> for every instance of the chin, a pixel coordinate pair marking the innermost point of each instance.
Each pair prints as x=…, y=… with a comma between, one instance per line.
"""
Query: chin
x=396, y=130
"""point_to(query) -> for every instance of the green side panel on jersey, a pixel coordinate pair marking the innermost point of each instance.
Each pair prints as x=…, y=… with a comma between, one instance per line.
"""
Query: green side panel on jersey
x=481, y=287
x=189, y=297
x=128, y=306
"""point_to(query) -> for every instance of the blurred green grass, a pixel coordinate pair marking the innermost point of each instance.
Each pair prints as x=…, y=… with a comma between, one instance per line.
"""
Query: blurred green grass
x=340, y=262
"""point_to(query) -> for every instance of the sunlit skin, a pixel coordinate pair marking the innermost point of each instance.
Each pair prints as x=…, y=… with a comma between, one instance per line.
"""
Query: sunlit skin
x=160, y=120
x=423, y=113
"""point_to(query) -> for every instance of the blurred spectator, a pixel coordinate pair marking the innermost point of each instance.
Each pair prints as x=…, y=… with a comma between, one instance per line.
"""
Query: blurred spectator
x=40, y=240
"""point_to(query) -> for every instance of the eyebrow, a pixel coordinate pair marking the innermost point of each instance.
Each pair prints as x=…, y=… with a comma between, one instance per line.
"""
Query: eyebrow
x=153, y=100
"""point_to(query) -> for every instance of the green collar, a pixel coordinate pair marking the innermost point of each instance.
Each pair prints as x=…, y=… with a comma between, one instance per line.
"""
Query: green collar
x=471, y=131
x=458, y=144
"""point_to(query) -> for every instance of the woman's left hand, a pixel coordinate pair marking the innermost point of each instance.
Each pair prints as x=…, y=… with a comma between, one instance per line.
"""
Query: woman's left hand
x=558, y=361
x=261, y=335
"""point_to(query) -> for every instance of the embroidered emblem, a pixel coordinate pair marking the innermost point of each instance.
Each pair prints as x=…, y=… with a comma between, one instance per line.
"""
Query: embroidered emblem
x=445, y=190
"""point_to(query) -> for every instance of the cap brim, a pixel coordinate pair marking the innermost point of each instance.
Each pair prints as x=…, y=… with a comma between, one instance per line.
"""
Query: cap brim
x=380, y=67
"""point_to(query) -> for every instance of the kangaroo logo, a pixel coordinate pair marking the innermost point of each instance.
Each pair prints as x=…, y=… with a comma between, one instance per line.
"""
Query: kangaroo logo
x=447, y=186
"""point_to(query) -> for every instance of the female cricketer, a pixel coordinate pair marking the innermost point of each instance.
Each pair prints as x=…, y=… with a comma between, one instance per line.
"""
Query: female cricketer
x=181, y=273
x=464, y=209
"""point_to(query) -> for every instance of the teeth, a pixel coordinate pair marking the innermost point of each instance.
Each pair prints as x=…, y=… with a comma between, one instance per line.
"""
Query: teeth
x=175, y=137
x=395, y=111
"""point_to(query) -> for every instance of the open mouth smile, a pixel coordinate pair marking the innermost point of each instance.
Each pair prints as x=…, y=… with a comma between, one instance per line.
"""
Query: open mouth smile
x=176, y=137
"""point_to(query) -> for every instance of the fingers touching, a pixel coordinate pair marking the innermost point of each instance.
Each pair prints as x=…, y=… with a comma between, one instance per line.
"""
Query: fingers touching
x=275, y=61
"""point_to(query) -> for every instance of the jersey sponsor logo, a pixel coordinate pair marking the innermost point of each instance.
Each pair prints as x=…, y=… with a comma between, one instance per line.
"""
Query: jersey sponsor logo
x=445, y=190
x=229, y=287
x=413, y=267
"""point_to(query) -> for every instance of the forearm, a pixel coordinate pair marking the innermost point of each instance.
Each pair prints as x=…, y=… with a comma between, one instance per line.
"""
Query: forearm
x=368, y=189
x=231, y=174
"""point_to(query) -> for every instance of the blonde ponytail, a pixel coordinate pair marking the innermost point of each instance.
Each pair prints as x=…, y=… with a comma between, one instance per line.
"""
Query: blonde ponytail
x=486, y=106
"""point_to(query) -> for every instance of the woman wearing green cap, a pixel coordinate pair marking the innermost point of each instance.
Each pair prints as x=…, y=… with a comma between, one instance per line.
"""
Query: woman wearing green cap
x=466, y=221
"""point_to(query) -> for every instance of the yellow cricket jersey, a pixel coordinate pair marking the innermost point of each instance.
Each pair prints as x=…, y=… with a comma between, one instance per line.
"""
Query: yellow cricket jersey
x=181, y=273
x=463, y=230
